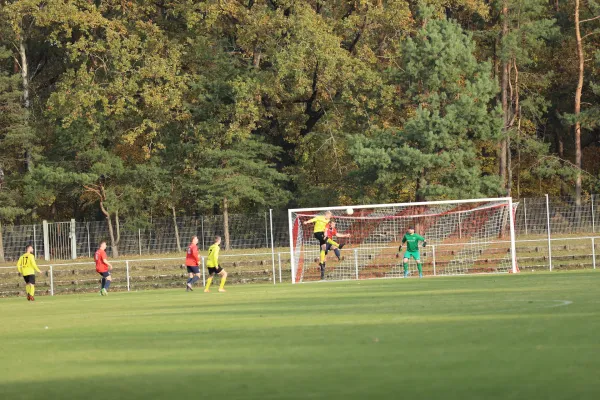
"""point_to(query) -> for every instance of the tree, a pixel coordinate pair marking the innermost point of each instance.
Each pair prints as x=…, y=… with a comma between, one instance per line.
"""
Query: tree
x=578, y=91
x=453, y=124
x=242, y=172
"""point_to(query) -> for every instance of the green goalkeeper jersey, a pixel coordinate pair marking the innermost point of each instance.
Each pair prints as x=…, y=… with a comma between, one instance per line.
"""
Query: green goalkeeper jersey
x=412, y=241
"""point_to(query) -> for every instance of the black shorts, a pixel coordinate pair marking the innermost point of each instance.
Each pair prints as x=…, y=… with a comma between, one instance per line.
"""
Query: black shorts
x=320, y=236
x=214, y=270
x=193, y=270
x=29, y=279
x=104, y=274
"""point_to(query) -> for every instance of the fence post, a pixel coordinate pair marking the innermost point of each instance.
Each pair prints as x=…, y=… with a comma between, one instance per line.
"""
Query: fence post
x=127, y=271
x=433, y=257
x=272, y=244
x=593, y=254
x=202, y=228
x=459, y=227
x=525, y=211
x=140, y=240
x=51, y=281
x=34, y=237
x=89, y=242
x=267, y=229
x=593, y=219
x=203, y=274
x=513, y=245
x=73, y=240
x=356, y=262
x=279, y=257
x=46, y=240
x=548, y=228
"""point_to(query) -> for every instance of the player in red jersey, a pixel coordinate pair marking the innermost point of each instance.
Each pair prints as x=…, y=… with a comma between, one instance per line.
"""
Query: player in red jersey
x=331, y=233
x=103, y=267
x=192, y=261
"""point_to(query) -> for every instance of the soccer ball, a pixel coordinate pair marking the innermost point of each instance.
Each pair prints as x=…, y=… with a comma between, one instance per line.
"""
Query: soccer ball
x=349, y=211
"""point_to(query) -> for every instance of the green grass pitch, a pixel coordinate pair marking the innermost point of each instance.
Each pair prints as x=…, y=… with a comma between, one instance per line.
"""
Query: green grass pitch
x=524, y=336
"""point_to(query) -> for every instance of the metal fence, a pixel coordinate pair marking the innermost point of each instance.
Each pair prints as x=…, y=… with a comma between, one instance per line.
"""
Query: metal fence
x=67, y=240
x=567, y=253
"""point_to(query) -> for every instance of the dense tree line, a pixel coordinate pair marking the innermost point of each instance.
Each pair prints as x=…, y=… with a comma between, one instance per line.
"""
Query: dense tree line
x=126, y=109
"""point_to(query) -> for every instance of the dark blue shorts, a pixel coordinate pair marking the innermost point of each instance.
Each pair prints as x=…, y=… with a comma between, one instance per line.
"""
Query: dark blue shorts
x=193, y=270
x=104, y=274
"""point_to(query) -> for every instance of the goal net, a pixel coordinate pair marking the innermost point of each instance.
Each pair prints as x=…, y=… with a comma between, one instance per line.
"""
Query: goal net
x=463, y=237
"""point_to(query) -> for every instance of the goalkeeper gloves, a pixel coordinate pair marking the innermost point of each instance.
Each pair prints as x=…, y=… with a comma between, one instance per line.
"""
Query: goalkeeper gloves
x=424, y=244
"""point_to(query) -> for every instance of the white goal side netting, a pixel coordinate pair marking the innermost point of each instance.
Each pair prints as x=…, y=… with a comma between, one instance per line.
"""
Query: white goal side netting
x=463, y=237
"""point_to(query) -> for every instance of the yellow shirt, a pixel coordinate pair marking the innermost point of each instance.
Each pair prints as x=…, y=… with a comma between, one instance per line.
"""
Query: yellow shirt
x=26, y=265
x=320, y=223
x=213, y=256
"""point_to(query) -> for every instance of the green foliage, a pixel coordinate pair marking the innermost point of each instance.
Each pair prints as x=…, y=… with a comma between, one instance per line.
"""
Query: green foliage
x=441, y=144
x=242, y=172
x=315, y=102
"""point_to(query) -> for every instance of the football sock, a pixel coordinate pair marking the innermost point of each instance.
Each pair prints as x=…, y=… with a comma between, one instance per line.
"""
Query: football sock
x=420, y=268
x=331, y=242
x=189, y=281
x=337, y=253
x=223, y=279
x=195, y=279
x=405, y=268
x=107, y=284
x=103, y=282
x=27, y=289
x=208, y=283
x=31, y=290
x=322, y=255
x=322, y=270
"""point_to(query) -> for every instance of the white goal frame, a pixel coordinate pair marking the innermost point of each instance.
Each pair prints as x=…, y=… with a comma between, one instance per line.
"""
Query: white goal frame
x=507, y=200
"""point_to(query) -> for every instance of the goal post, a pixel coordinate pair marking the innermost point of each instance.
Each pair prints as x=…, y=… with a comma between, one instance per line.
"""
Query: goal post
x=463, y=237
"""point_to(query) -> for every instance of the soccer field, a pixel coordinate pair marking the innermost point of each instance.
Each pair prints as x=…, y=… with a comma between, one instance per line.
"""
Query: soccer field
x=524, y=336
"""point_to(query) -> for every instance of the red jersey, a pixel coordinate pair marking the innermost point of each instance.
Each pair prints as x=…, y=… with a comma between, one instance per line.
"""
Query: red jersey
x=330, y=232
x=100, y=256
x=192, y=258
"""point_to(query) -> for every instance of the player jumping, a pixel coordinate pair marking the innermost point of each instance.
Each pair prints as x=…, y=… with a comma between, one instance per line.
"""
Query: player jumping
x=103, y=267
x=192, y=260
x=321, y=222
x=332, y=232
x=412, y=250
x=27, y=268
x=213, y=266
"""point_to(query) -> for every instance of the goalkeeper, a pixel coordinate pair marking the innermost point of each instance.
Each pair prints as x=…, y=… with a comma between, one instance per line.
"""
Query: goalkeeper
x=321, y=222
x=412, y=250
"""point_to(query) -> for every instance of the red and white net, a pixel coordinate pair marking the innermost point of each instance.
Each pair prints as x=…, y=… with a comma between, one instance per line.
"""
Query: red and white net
x=462, y=238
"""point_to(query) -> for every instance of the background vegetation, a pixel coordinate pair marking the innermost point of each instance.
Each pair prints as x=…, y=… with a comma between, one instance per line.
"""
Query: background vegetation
x=132, y=109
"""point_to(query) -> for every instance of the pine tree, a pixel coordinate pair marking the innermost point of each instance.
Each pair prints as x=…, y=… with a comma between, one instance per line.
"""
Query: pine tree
x=239, y=173
x=453, y=123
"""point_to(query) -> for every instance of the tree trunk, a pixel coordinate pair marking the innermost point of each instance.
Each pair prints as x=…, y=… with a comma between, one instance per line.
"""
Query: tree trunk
x=114, y=241
x=1, y=245
x=578, y=107
x=111, y=232
x=226, y=223
x=519, y=156
x=176, y=229
x=504, y=94
x=25, y=83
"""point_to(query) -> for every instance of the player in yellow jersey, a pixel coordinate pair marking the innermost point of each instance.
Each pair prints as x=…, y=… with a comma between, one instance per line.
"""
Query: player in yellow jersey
x=321, y=222
x=27, y=267
x=213, y=266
